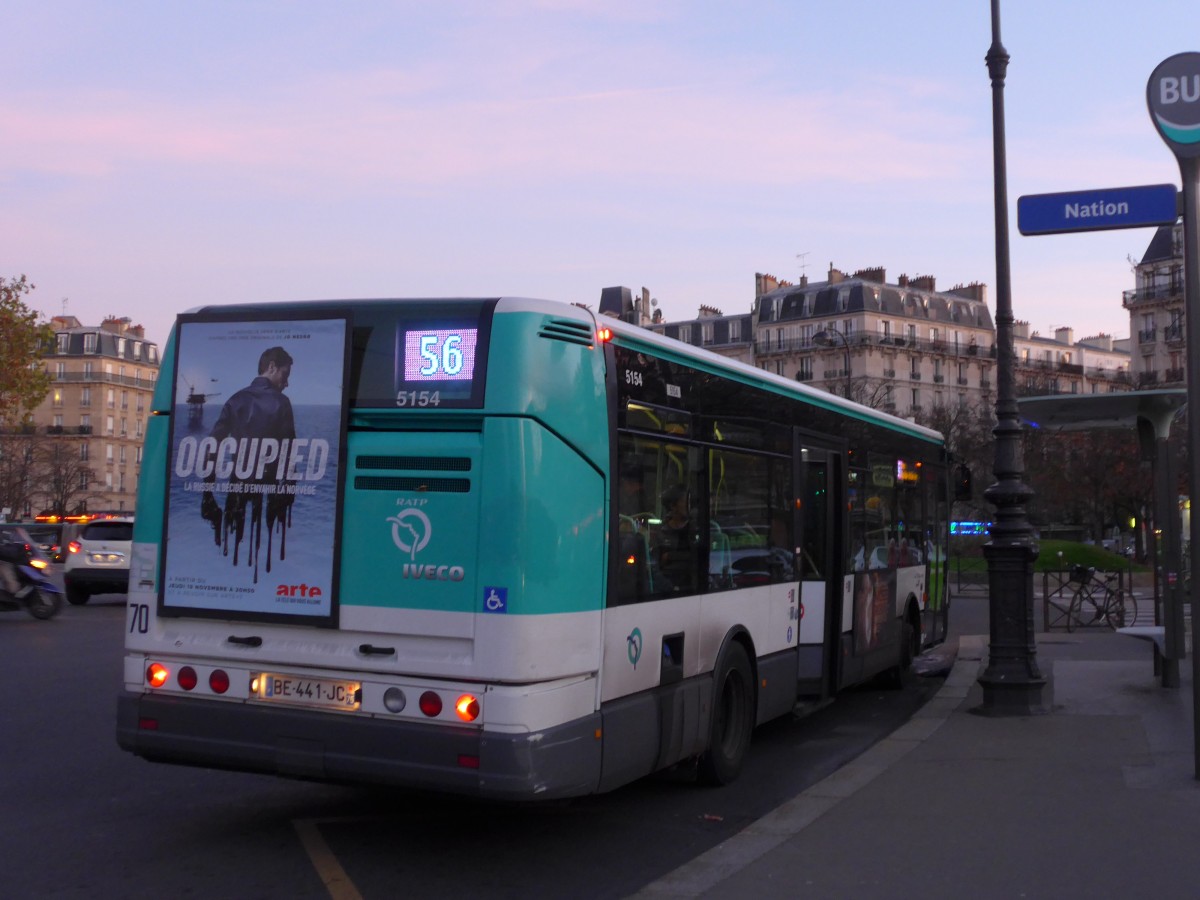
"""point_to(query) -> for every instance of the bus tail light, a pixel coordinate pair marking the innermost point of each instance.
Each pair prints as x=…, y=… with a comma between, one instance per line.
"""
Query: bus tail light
x=186, y=678
x=218, y=680
x=430, y=704
x=157, y=675
x=467, y=708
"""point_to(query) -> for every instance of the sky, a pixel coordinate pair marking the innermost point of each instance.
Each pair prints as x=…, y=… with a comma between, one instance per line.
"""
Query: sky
x=159, y=156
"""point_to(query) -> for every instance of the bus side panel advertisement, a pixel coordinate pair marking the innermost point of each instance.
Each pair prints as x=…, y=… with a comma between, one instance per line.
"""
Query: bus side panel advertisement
x=254, y=486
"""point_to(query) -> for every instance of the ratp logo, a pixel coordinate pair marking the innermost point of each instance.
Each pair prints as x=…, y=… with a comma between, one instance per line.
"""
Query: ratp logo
x=411, y=531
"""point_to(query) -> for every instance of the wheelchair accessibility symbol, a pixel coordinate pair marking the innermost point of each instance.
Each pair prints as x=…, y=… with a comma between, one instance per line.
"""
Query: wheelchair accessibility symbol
x=495, y=600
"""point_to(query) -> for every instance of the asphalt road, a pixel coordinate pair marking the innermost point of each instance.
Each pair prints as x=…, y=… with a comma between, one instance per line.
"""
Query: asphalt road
x=84, y=819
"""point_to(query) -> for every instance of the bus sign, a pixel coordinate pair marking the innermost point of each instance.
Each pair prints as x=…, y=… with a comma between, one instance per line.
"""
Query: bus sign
x=1173, y=96
x=1097, y=210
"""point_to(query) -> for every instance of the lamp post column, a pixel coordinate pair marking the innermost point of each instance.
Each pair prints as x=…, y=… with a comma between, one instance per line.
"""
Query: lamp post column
x=1012, y=684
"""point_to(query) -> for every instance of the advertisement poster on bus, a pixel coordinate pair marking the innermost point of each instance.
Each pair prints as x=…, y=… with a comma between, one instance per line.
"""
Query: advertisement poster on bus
x=257, y=421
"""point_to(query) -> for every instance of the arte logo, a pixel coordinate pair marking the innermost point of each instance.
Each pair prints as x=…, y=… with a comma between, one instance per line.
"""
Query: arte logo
x=411, y=531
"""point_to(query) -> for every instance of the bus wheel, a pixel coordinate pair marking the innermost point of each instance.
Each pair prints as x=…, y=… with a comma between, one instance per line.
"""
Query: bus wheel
x=910, y=644
x=732, y=719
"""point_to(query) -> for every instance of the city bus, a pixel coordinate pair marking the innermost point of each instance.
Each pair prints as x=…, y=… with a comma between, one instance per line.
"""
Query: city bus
x=508, y=548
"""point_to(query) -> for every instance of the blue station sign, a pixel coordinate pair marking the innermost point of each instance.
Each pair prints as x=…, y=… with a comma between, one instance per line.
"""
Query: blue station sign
x=1097, y=210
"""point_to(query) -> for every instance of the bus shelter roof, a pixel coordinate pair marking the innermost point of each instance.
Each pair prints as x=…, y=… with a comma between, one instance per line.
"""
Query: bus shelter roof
x=1073, y=412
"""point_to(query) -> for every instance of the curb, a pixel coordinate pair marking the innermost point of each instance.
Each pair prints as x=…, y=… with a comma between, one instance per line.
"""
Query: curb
x=709, y=869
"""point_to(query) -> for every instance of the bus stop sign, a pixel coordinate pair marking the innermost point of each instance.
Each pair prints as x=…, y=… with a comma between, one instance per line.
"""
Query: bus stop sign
x=1097, y=210
x=1173, y=96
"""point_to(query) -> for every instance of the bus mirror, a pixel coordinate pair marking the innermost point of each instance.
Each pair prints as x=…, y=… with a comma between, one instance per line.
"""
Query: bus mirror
x=962, y=482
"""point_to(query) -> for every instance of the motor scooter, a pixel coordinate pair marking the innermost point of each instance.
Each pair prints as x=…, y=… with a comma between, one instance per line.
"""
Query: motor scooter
x=36, y=593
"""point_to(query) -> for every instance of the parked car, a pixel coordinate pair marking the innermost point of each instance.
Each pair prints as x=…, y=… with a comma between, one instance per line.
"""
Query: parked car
x=98, y=560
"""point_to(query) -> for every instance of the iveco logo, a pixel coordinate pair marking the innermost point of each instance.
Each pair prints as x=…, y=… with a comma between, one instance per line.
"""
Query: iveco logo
x=410, y=531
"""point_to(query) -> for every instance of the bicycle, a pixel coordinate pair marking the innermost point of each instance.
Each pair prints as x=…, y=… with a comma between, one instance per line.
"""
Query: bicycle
x=1098, y=598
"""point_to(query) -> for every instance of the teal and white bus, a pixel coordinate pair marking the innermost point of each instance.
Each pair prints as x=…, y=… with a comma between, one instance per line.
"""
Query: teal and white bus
x=507, y=547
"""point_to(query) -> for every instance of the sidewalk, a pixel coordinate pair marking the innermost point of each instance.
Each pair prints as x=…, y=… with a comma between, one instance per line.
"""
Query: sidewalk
x=1097, y=798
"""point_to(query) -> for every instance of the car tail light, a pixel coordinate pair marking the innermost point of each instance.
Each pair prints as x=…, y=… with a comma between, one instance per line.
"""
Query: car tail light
x=73, y=547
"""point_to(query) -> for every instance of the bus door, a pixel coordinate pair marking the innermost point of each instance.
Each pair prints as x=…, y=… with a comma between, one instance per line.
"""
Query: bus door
x=818, y=555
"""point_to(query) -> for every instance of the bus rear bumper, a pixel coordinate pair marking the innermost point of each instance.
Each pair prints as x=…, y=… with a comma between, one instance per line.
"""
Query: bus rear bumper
x=564, y=761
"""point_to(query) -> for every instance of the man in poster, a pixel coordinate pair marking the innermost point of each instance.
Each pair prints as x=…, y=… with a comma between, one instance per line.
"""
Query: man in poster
x=256, y=412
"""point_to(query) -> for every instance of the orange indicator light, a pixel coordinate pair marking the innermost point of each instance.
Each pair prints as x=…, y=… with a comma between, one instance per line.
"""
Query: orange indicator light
x=467, y=708
x=157, y=675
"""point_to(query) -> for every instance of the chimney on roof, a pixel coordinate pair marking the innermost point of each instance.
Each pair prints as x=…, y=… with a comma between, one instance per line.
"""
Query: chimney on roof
x=903, y=282
x=972, y=291
x=923, y=283
x=1021, y=329
x=836, y=276
x=1064, y=334
x=707, y=312
x=877, y=274
x=764, y=284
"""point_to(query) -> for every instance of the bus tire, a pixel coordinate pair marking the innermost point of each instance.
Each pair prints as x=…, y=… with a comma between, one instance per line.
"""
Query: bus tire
x=910, y=642
x=733, y=716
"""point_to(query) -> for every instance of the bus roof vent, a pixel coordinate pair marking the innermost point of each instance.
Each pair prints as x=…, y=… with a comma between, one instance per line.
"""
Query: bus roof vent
x=570, y=331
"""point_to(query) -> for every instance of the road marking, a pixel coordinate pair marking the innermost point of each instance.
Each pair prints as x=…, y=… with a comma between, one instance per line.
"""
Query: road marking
x=329, y=870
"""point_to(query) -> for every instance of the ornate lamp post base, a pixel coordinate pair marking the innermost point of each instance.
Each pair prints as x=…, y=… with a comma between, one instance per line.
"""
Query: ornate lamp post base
x=1012, y=683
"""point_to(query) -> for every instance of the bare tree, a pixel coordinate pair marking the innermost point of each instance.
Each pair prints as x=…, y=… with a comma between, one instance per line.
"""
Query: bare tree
x=64, y=477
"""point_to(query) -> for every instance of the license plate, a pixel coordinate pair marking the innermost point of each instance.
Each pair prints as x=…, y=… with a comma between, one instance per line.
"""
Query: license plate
x=274, y=687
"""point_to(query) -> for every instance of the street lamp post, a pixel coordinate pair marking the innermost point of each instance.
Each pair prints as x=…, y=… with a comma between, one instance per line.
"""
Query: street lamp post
x=1012, y=684
x=825, y=339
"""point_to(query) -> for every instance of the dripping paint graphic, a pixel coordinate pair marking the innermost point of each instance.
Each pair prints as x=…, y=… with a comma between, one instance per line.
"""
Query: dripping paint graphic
x=256, y=427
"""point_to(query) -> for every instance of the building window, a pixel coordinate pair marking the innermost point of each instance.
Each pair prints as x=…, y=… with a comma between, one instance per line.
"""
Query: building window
x=83, y=481
x=83, y=451
x=137, y=349
x=58, y=421
x=706, y=333
x=108, y=425
x=806, y=369
x=735, y=330
x=87, y=369
x=60, y=370
x=685, y=333
x=57, y=398
x=90, y=340
x=85, y=396
x=62, y=342
x=112, y=399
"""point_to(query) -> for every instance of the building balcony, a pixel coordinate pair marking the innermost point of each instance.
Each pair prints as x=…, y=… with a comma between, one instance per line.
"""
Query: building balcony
x=1147, y=335
x=1154, y=294
x=1177, y=376
x=1173, y=334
